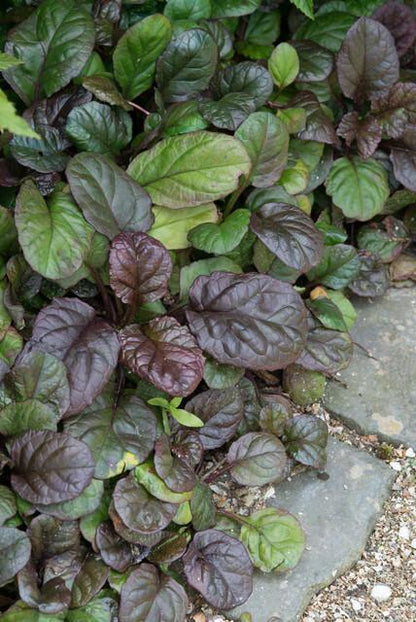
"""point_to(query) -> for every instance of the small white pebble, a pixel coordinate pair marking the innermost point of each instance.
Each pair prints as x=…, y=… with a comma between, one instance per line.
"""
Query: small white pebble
x=404, y=532
x=410, y=453
x=356, y=605
x=396, y=466
x=413, y=543
x=381, y=592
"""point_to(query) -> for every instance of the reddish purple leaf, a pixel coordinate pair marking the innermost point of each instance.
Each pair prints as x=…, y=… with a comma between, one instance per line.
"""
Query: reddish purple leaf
x=164, y=353
x=140, y=268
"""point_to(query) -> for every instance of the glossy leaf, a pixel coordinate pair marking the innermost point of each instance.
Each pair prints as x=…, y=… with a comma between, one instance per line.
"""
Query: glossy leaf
x=328, y=29
x=218, y=566
x=219, y=376
x=171, y=227
x=84, y=504
x=246, y=77
x=165, y=353
x=146, y=475
x=221, y=411
x=289, y=234
x=54, y=237
x=99, y=128
x=138, y=509
x=404, y=159
x=15, y=552
x=50, y=467
x=244, y=320
x=168, y=173
x=115, y=551
x=326, y=350
x=177, y=474
x=233, y=8
x=359, y=187
x=367, y=63
x=400, y=21
x=195, y=269
x=40, y=376
x=284, y=65
x=257, y=458
x=305, y=438
x=109, y=198
x=266, y=139
x=149, y=596
x=89, y=581
x=140, y=268
x=45, y=154
x=229, y=112
x=339, y=265
x=119, y=438
x=137, y=51
x=366, y=132
x=223, y=237
x=19, y=417
x=274, y=540
x=54, y=44
x=187, y=65
x=315, y=62
x=188, y=9
x=203, y=508
x=372, y=278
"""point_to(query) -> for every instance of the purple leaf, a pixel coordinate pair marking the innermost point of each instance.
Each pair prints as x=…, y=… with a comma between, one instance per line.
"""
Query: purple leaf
x=164, y=353
x=88, y=346
x=399, y=20
x=367, y=132
x=248, y=320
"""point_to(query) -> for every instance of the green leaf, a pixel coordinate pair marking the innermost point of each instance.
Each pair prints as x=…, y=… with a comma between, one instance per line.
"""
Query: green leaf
x=358, y=187
x=8, y=506
x=348, y=312
x=187, y=65
x=136, y=53
x=340, y=264
x=19, y=417
x=54, y=237
x=188, y=9
x=100, y=128
x=266, y=139
x=263, y=28
x=306, y=6
x=182, y=118
x=228, y=112
x=327, y=313
x=86, y=503
x=186, y=418
x=100, y=609
x=328, y=30
x=7, y=61
x=203, y=508
x=274, y=539
x=171, y=227
x=14, y=551
x=45, y=155
x=221, y=238
x=233, y=8
x=11, y=121
x=173, y=178
x=11, y=344
x=284, y=65
x=54, y=44
x=105, y=90
x=220, y=376
x=204, y=266
x=147, y=477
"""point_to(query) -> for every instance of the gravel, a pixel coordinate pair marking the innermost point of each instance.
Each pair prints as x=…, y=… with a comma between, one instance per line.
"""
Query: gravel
x=381, y=587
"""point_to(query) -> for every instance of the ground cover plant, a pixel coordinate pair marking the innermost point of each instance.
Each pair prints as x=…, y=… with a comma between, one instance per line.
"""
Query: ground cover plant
x=190, y=192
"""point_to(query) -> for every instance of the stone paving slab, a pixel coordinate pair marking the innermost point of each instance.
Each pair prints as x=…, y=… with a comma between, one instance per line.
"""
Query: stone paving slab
x=380, y=395
x=337, y=515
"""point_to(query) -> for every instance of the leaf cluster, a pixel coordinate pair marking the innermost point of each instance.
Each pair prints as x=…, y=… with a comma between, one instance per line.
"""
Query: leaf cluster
x=190, y=192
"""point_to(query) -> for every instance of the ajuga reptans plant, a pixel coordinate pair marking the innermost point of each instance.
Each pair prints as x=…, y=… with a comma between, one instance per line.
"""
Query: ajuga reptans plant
x=191, y=191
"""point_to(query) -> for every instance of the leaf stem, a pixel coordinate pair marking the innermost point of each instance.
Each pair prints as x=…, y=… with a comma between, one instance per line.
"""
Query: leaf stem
x=165, y=421
x=234, y=198
x=216, y=473
x=146, y=112
x=108, y=305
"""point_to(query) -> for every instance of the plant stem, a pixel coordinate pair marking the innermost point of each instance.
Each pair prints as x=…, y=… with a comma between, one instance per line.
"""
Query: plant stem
x=216, y=474
x=108, y=305
x=234, y=198
x=165, y=421
x=146, y=112
x=214, y=468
